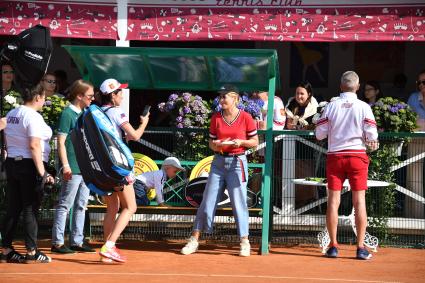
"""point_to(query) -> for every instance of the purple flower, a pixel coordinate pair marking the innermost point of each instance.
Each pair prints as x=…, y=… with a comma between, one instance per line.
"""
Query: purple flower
x=186, y=97
x=186, y=110
x=48, y=103
x=173, y=97
x=179, y=119
x=198, y=98
x=169, y=106
x=179, y=125
x=393, y=109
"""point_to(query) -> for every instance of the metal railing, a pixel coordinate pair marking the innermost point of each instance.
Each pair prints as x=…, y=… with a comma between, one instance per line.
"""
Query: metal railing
x=297, y=212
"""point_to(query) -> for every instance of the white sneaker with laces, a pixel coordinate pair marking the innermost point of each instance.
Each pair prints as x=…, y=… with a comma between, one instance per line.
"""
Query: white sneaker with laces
x=245, y=248
x=191, y=246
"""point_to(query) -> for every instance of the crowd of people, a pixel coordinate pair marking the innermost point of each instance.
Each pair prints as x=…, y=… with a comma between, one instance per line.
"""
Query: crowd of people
x=347, y=122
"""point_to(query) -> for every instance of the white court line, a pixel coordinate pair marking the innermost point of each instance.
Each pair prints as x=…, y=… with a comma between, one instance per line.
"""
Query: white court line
x=195, y=275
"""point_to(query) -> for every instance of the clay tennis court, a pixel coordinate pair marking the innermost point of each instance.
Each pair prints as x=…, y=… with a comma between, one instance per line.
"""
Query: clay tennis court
x=161, y=262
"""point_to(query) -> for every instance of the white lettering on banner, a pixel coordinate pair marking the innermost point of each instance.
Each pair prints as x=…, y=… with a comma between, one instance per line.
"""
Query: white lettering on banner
x=277, y=3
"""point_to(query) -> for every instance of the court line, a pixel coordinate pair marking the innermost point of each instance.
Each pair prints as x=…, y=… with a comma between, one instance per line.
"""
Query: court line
x=196, y=275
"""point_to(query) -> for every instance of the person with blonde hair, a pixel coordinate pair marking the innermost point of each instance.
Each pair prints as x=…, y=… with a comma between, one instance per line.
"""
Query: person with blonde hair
x=74, y=192
x=232, y=131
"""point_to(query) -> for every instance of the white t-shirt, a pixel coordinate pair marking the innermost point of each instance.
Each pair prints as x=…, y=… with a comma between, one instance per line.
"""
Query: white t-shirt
x=22, y=123
x=117, y=116
x=154, y=179
x=278, y=119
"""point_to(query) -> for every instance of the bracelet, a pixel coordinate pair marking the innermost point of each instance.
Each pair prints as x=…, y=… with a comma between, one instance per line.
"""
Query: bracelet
x=65, y=165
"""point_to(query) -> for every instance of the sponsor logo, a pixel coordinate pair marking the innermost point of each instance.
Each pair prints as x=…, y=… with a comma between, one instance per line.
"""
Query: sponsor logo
x=33, y=55
x=93, y=162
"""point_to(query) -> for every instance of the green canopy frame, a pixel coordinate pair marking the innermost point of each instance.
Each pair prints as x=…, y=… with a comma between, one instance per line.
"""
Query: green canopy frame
x=190, y=69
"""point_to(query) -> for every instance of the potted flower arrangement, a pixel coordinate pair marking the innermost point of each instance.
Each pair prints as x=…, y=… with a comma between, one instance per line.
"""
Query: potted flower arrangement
x=392, y=115
x=188, y=111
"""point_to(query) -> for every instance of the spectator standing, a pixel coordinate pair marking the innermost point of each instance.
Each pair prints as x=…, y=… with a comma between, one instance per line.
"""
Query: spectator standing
x=232, y=131
x=27, y=137
x=349, y=125
x=74, y=192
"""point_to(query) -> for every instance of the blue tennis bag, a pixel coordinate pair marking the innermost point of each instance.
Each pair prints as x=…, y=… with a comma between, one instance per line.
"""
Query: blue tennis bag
x=105, y=161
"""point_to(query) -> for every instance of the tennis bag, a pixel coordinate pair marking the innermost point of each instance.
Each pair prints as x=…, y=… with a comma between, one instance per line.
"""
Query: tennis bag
x=105, y=161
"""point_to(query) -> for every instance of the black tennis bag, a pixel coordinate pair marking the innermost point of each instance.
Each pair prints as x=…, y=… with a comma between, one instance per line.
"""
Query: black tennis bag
x=105, y=161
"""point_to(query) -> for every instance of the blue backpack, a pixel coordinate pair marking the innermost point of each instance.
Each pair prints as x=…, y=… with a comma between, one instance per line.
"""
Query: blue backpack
x=105, y=161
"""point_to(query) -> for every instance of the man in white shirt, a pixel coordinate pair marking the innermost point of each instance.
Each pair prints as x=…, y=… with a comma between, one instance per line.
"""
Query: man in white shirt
x=350, y=127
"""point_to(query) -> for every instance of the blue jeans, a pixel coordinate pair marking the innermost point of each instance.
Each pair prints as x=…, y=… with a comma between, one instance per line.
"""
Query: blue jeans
x=74, y=193
x=140, y=192
x=229, y=172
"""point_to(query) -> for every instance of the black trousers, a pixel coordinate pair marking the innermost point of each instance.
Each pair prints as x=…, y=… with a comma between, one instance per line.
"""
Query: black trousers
x=22, y=195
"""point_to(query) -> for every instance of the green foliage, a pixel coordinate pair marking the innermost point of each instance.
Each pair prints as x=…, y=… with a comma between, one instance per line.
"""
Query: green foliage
x=380, y=202
x=392, y=115
x=52, y=109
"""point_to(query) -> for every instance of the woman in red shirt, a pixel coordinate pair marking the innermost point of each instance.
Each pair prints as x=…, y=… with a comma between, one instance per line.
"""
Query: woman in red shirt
x=232, y=131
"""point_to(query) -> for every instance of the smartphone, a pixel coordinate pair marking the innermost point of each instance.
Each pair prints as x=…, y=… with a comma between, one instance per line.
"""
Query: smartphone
x=146, y=110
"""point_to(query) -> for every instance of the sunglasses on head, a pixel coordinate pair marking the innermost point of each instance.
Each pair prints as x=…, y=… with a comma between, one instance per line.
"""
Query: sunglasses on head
x=50, y=81
x=8, y=72
x=421, y=82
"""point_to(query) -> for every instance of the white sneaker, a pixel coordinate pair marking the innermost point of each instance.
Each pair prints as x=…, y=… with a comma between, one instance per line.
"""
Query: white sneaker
x=245, y=248
x=191, y=246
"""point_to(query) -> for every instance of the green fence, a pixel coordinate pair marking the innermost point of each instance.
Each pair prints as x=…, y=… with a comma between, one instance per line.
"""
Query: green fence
x=297, y=209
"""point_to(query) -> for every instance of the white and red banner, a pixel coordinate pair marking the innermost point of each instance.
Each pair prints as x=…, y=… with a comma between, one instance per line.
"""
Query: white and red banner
x=269, y=20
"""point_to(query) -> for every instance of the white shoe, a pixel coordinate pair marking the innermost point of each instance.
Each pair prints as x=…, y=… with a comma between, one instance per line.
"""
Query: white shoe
x=191, y=246
x=245, y=248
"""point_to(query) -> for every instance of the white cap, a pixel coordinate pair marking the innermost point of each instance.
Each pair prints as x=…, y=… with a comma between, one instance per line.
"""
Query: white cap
x=111, y=85
x=173, y=162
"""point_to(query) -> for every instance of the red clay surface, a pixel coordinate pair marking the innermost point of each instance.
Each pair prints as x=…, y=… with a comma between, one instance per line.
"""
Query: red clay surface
x=161, y=262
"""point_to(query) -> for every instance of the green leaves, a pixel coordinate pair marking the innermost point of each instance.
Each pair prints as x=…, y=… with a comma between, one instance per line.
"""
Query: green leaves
x=392, y=115
x=52, y=109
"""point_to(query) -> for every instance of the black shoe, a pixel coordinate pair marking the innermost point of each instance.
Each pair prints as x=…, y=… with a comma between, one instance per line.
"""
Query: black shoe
x=61, y=249
x=12, y=257
x=84, y=248
x=38, y=257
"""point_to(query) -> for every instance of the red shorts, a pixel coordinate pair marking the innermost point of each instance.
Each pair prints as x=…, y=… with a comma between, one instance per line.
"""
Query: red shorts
x=351, y=166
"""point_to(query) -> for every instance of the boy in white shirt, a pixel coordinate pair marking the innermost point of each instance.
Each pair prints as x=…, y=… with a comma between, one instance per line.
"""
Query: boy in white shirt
x=156, y=179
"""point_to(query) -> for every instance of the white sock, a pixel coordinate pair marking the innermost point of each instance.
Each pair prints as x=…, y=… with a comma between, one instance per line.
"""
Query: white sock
x=110, y=244
x=245, y=241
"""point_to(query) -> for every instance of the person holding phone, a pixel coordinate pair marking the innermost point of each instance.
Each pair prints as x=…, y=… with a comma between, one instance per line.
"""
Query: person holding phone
x=232, y=131
x=111, y=98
